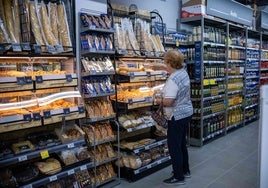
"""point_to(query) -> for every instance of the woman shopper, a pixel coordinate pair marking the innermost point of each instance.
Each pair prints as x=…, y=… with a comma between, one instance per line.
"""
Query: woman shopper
x=178, y=109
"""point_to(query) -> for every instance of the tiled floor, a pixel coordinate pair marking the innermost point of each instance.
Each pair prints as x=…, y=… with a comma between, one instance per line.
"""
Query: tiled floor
x=228, y=162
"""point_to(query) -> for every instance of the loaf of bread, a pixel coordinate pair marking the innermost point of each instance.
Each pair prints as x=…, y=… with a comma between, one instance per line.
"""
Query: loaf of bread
x=49, y=167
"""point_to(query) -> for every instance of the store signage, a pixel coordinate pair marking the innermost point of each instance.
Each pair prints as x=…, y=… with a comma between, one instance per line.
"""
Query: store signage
x=230, y=10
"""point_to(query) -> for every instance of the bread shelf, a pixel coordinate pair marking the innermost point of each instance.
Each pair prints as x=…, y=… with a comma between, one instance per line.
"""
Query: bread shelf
x=54, y=116
x=8, y=84
x=58, y=176
x=37, y=153
x=98, y=119
x=54, y=81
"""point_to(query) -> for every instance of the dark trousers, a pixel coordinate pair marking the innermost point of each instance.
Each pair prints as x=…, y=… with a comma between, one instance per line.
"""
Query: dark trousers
x=176, y=139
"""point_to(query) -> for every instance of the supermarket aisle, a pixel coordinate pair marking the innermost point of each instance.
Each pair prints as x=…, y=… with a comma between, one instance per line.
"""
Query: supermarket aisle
x=230, y=161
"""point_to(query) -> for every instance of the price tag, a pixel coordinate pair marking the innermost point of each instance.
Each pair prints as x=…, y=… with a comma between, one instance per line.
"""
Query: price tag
x=132, y=75
x=27, y=117
x=70, y=172
x=84, y=167
x=81, y=109
x=28, y=79
x=39, y=79
x=44, y=154
x=2, y=48
x=71, y=145
x=59, y=48
x=158, y=162
x=16, y=47
x=93, y=119
x=147, y=147
x=22, y=158
x=69, y=78
x=26, y=46
x=93, y=50
x=36, y=116
x=205, y=82
x=37, y=49
x=66, y=110
x=212, y=81
x=149, y=166
x=52, y=178
x=28, y=186
x=20, y=80
x=51, y=49
x=47, y=114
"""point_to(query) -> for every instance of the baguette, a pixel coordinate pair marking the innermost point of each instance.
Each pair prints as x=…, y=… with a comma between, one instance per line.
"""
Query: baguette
x=9, y=20
x=16, y=26
x=53, y=16
x=46, y=26
x=36, y=29
x=63, y=26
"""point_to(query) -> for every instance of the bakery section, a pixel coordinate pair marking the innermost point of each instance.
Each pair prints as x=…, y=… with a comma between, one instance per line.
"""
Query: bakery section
x=42, y=142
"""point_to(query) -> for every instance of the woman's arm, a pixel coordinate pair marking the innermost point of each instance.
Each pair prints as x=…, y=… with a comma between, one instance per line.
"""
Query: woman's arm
x=167, y=102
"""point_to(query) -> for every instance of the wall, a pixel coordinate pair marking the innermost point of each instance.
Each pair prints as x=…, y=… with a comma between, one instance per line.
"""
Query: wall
x=168, y=9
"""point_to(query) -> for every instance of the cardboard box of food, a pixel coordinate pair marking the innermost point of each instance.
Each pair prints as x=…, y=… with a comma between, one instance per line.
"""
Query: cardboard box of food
x=192, y=8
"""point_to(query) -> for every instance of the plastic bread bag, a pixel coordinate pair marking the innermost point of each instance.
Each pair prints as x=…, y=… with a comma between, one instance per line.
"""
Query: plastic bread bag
x=131, y=37
x=108, y=20
x=53, y=18
x=96, y=41
x=50, y=38
x=108, y=43
x=102, y=23
x=9, y=20
x=86, y=22
x=121, y=44
x=63, y=27
x=35, y=26
x=109, y=64
x=3, y=33
x=102, y=42
x=17, y=23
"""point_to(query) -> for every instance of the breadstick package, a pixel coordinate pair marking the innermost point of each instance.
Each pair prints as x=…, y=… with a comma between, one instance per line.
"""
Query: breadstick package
x=63, y=27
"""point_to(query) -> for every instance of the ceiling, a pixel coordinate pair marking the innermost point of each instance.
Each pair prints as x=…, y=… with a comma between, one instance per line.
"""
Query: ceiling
x=250, y=2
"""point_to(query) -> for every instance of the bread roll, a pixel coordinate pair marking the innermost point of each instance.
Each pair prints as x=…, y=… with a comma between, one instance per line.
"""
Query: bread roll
x=36, y=29
x=46, y=26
